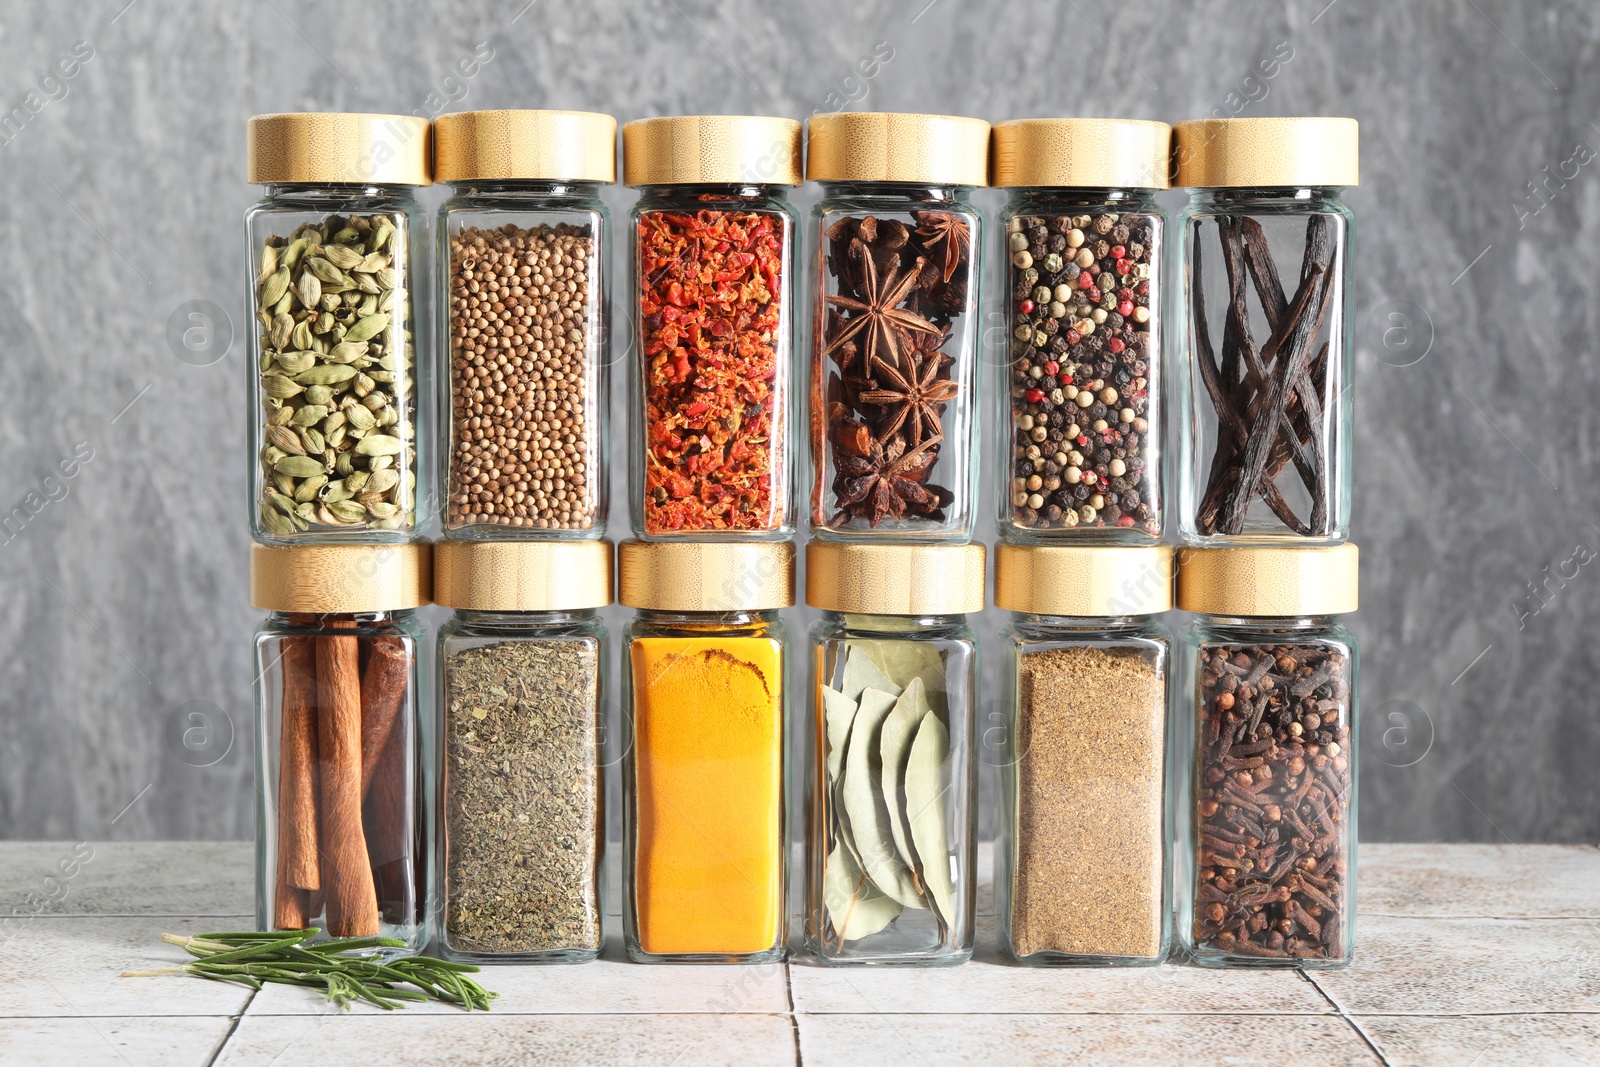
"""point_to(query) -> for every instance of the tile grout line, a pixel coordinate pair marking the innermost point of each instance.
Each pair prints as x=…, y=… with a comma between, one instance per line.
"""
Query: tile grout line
x=794, y=1018
x=1348, y=1018
x=233, y=1026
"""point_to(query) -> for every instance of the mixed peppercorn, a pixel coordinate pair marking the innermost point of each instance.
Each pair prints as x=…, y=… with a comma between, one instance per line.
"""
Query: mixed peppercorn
x=711, y=325
x=1083, y=365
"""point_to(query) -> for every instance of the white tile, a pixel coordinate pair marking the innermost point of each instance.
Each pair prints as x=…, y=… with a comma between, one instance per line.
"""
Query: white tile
x=135, y=1042
x=1511, y=881
x=1461, y=1041
x=410, y=1039
x=1104, y=1041
x=66, y=967
x=1463, y=966
x=992, y=982
x=128, y=877
x=608, y=985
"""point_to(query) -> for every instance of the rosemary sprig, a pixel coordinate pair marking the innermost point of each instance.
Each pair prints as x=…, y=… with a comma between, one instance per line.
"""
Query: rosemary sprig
x=345, y=969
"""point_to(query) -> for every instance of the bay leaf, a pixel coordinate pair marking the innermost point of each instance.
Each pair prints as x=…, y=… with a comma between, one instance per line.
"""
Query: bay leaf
x=855, y=907
x=895, y=749
x=865, y=805
x=926, y=785
x=861, y=673
x=902, y=661
x=838, y=712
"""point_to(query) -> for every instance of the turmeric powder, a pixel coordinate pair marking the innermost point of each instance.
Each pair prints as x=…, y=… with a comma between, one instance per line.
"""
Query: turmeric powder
x=708, y=802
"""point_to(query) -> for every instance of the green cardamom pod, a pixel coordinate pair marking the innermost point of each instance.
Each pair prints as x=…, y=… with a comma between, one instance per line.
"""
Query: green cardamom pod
x=313, y=438
x=309, y=415
x=309, y=290
x=273, y=289
x=356, y=481
x=343, y=257
x=284, y=439
x=345, y=464
x=382, y=481
x=379, y=445
x=281, y=415
x=385, y=279
x=360, y=417
x=269, y=262
x=348, y=511
x=284, y=483
x=297, y=249
x=369, y=326
x=336, y=436
x=298, y=466
x=282, y=329
x=348, y=351
x=380, y=463
x=308, y=489
x=327, y=374
x=321, y=395
x=301, y=337
x=383, y=510
x=276, y=385
x=295, y=362
x=334, y=492
x=284, y=504
x=276, y=522
x=324, y=270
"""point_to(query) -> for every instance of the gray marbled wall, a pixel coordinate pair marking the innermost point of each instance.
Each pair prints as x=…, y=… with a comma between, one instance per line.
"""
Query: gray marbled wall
x=123, y=607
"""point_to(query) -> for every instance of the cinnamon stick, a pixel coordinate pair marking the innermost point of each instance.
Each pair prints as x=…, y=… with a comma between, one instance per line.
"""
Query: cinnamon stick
x=384, y=775
x=352, y=901
x=297, y=866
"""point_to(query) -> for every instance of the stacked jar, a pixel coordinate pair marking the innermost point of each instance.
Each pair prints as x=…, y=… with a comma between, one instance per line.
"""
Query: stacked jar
x=336, y=382
x=338, y=371
x=339, y=789
x=520, y=819
x=712, y=405
x=712, y=417
x=1081, y=873
x=524, y=249
x=1081, y=393
x=1265, y=444
x=703, y=786
x=524, y=252
x=894, y=382
x=1268, y=833
x=892, y=799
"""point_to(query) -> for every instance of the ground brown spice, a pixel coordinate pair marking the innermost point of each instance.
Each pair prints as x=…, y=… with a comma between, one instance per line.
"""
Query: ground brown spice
x=1087, y=877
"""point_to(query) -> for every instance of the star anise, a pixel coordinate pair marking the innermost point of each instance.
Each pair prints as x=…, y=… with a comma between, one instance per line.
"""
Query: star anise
x=877, y=315
x=945, y=236
x=882, y=485
x=914, y=396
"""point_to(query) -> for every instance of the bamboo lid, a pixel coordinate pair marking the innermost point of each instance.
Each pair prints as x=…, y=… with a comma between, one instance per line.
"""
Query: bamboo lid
x=1081, y=153
x=706, y=576
x=1223, y=153
x=1269, y=581
x=340, y=579
x=579, y=146
x=882, y=146
x=891, y=579
x=1085, y=580
x=522, y=575
x=711, y=150
x=331, y=147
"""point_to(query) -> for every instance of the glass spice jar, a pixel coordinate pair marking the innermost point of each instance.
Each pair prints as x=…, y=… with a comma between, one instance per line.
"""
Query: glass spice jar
x=334, y=377
x=519, y=827
x=704, y=855
x=524, y=251
x=891, y=785
x=1265, y=444
x=1081, y=874
x=340, y=795
x=1267, y=834
x=1080, y=396
x=713, y=275
x=894, y=383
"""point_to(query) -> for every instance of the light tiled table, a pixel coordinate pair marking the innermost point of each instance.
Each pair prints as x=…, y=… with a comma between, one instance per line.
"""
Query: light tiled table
x=1468, y=955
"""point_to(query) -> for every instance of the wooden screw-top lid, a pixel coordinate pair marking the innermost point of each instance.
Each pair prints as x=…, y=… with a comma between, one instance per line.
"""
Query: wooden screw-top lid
x=1269, y=581
x=318, y=147
x=340, y=579
x=894, y=579
x=522, y=575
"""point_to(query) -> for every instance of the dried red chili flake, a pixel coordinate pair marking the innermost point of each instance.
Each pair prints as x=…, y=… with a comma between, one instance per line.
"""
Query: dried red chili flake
x=710, y=314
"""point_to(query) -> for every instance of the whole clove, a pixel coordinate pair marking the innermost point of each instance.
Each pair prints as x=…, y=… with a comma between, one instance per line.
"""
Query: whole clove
x=1273, y=791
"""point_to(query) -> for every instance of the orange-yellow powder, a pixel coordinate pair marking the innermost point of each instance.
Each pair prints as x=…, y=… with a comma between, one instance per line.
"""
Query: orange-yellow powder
x=709, y=801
